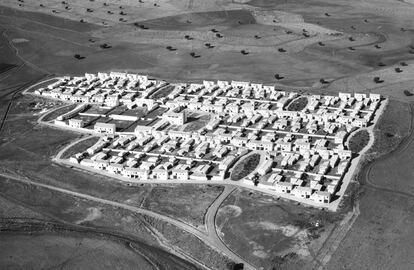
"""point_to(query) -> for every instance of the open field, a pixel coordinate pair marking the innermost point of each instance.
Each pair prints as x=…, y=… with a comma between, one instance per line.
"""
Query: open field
x=270, y=232
x=389, y=132
x=42, y=251
x=80, y=147
x=138, y=44
x=174, y=201
x=55, y=113
x=381, y=236
x=10, y=209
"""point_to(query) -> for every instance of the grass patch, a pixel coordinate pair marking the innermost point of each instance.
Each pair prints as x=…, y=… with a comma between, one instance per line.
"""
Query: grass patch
x=389, y=132
x=358, y=141
x=79, y=147
x=163, y=92
x=5, y=67
x=245, y=167
x=160, y=197
x=196, y=123
x=42, y=85
x=268, y=232
x=298, y=104
x=53, y=115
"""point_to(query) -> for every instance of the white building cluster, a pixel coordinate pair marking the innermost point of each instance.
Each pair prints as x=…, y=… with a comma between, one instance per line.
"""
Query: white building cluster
x=302, y=151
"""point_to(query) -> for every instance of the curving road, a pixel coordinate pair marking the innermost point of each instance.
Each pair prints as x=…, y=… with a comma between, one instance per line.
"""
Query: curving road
x=210, y=223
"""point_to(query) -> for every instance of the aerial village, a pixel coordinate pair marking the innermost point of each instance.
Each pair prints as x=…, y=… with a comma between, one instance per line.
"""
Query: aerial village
x=150, y=131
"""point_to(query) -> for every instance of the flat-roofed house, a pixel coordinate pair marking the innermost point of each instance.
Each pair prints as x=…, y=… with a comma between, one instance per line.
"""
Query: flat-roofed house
x=342, y=167
x=200, y=173
x=87, y=162
x=79, y=98
x=160, y=173
x=283, y=187
x=105, y=128
x=115, y=168
x=101, y=164
x=344, y=154
x=321, y=197
x=302, y=192
x=180, y=172
x=274, y=178
x=135, y=173
x=176, y=118
x=265, y=166
x=76, y=123
x=324, y=167
x=221, y=151
x=374, y=97
x=227, y=162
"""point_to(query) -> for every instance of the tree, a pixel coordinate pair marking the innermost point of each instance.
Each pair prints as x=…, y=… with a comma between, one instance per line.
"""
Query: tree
x=238, y=266
x=378, y=80
x=104, y=46
x=278, y=76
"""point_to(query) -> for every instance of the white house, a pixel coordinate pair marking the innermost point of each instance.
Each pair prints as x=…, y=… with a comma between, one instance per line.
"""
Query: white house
x=105, y=128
